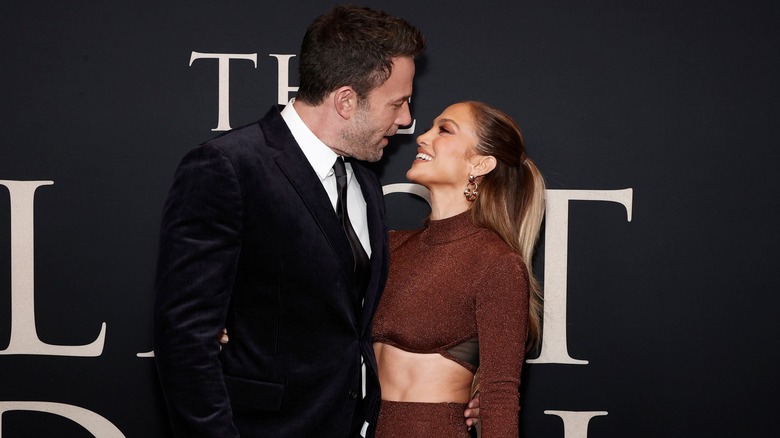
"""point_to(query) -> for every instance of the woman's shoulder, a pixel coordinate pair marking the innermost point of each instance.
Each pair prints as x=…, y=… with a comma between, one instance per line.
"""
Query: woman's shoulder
x=491, y=242
x=501, y=260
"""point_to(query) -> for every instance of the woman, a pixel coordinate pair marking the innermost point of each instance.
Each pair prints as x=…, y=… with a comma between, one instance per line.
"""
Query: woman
x=460, y=294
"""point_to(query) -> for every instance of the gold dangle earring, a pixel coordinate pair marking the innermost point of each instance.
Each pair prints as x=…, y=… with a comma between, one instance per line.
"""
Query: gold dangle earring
x=471, y=192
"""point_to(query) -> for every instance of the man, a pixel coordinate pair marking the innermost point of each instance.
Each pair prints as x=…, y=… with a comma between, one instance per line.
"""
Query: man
x=252, y=241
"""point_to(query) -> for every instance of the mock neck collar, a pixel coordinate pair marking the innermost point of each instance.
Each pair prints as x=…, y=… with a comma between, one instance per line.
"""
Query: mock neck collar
x=450, y=229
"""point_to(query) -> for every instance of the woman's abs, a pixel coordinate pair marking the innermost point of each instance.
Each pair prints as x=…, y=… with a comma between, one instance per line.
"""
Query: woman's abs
x=421, y=377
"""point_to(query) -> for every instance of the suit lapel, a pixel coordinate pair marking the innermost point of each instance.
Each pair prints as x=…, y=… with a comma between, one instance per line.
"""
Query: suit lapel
x=293, y=163
x=377, y=232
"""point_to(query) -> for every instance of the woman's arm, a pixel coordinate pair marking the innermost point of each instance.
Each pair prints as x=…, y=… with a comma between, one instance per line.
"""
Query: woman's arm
x=502, y=325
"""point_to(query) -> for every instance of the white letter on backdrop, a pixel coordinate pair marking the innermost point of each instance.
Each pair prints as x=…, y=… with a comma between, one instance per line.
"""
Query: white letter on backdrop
x=223, y=123
x=414, y=189
x=575, y=424
x=284, y=90
x=24, y=338
x=556, y=252
x=94, y=423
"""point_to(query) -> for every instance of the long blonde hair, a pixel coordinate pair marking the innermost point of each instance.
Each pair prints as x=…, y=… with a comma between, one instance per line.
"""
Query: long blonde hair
x=511, y=197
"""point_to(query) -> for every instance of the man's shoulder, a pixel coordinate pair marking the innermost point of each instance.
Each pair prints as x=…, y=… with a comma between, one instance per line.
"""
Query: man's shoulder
x=252, y=134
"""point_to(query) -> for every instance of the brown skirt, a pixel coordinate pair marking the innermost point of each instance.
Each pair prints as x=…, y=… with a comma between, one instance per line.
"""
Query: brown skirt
x=423, y=420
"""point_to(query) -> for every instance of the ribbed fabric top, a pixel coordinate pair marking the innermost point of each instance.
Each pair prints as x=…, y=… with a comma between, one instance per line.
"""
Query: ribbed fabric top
x=452, y=281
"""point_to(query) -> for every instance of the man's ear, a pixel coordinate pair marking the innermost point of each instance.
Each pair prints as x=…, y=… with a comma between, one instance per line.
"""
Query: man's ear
x=345, y=101
x=482, y=164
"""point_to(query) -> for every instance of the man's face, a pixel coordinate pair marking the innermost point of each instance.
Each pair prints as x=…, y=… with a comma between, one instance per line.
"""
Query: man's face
x=379, y=116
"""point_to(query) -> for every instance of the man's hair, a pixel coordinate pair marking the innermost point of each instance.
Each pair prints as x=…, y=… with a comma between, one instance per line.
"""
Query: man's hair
x=353, y=46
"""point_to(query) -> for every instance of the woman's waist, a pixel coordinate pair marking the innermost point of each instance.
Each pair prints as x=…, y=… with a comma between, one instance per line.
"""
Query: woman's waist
x=421, y=377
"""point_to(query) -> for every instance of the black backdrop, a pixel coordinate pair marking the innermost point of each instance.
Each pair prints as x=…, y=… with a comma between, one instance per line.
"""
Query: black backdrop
x=675, y=100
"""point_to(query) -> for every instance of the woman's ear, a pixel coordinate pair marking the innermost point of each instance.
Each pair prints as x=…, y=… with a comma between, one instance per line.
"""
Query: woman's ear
x=483, y=164
x=345, y=101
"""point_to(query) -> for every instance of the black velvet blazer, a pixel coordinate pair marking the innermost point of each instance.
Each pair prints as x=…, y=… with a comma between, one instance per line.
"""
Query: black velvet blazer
x=250, y=242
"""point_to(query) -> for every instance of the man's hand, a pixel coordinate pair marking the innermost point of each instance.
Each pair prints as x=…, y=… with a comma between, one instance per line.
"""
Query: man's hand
x=472, y=412
x=223, y=338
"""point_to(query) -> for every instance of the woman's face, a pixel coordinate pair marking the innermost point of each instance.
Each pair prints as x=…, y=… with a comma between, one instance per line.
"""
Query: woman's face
x=445, y=152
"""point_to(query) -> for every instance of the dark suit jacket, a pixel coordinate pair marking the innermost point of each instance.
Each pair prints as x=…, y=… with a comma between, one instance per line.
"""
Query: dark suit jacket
x=250, y=242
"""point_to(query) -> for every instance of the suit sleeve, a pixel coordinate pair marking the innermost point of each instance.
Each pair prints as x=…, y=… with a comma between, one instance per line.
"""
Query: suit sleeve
x=502, y=320
x=198, y=257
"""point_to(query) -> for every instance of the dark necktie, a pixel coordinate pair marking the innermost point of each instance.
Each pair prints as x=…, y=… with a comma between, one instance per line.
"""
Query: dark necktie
x=361, y=267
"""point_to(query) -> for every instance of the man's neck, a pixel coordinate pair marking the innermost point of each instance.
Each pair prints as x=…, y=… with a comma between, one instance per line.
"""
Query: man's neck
x=319, y=120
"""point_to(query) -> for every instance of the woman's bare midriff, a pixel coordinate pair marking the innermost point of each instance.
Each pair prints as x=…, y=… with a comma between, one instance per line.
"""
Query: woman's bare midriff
x=416, y=377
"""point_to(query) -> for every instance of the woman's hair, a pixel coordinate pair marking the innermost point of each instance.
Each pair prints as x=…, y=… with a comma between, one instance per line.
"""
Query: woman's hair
x=353, y=46
x=511, y=196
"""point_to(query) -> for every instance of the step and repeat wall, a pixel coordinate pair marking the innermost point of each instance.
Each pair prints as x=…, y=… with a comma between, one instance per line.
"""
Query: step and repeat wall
x=654, y=123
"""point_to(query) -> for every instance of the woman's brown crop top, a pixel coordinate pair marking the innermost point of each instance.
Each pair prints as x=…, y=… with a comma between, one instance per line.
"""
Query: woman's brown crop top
x=453, y=282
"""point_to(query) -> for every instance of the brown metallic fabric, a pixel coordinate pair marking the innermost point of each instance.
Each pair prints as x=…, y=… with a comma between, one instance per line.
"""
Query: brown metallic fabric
x=421, y=420
x=448, y=283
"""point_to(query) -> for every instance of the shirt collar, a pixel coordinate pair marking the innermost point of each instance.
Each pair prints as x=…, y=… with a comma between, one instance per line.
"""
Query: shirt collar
x=319, y=155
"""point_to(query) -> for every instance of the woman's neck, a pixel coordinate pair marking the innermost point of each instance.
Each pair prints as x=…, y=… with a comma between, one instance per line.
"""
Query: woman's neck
x=447, y=203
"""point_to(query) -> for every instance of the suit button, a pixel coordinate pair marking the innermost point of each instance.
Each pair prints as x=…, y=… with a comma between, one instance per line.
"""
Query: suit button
x=353, y=395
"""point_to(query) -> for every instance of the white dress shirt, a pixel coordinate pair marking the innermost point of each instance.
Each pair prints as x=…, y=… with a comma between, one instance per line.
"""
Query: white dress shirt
x=321, y=159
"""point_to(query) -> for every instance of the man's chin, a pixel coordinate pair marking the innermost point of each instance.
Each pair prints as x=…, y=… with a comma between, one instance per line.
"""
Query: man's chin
x=376, y=157
x=371, y=157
